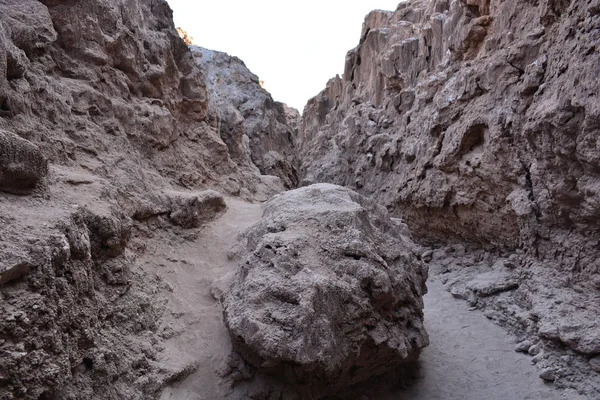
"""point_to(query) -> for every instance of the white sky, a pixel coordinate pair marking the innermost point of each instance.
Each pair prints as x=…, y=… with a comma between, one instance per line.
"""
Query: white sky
x=295, y=47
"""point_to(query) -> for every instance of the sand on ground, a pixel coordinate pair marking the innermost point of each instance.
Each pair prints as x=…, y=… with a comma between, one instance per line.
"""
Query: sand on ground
x=470, y=358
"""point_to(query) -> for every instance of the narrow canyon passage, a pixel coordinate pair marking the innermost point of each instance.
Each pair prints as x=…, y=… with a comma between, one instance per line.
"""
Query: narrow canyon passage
x=193, y=315
x=121, y=140
x=469, y=357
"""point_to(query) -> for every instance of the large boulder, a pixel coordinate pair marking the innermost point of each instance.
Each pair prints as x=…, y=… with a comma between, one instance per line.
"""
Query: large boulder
x=328, y=292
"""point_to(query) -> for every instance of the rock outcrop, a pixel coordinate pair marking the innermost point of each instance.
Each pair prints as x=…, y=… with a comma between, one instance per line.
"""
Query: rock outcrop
x=477, y=122
x=110, y=84
x=246, y=114
x=329, y=292
x=467, y=118
x=23, y=167
x=107, y=134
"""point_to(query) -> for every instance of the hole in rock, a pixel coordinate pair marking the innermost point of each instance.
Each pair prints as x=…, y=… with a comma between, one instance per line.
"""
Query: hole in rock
x=88, y=362
x=474, y=137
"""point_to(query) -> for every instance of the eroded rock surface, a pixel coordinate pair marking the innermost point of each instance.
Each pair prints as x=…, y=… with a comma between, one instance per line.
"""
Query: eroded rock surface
x=23, y=167
x=246, y=114
x=104, y=108
x=469, y=119
x=328, y=292
x=476, y=122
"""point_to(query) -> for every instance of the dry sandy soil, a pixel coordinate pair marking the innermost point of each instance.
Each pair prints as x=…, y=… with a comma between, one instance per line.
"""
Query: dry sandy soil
x=469, y=357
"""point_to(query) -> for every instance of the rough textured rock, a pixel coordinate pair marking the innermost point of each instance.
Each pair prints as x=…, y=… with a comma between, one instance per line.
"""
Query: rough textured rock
x=247, y=115
x=476, y=122
x=329, y=292
x=22, y=165
x=194, y=210
x=110, y=85
x=103, y=106
x=74, y=313
x=468, y=119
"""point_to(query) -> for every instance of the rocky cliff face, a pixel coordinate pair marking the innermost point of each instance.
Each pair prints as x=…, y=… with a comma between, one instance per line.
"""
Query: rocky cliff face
x=246, y=114
x=106, y=137
x=477, y=122
x=474, y=121
x=111, y=84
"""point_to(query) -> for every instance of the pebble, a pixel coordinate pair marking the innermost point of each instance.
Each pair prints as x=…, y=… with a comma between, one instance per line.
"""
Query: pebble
x=457, y=292
x=523, y=347
x=427, y=256
x=459, y=250
x=534, y=350
x=537, y=358
x=549, y=375
x=237, y=376
x=567, y=359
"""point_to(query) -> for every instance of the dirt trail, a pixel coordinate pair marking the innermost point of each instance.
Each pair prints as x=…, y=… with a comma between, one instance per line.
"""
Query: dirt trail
x=469, y=358
x=196, y=317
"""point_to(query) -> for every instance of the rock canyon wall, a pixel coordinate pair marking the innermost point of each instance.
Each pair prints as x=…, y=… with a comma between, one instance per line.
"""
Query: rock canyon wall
x=108, y=136
x=477, y=122
x=468, y=128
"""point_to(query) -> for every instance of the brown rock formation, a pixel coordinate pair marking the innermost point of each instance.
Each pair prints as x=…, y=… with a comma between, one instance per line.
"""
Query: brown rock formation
x=476, y=122
x=328, y=293
x=248, y=115
x=105, y=124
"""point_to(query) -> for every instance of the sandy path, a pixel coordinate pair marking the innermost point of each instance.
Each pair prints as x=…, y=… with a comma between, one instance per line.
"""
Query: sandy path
x=469, y=358
x=204, y=338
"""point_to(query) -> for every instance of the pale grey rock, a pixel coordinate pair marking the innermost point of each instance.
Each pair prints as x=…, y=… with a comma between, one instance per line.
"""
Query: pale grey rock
x=491, y=283
x=548, y=375
x=243, y=109
x=524, y=346
x=192, y=210
x=326, y=295
x=534, y=350
x=427, y=256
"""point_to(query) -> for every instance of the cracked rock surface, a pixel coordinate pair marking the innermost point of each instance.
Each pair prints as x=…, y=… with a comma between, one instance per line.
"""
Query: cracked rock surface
x=477, y=123
x=328, y=292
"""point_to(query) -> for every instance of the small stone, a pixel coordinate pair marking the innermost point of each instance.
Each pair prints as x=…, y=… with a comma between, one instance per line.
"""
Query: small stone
x=458, y=292
x=595, y=364
x=523, y=347
x=459, y=250
x=567, y=359
x=549, y=375
x=534, y=350
x=537, y=359
x=237, y=376
x=472, y=299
